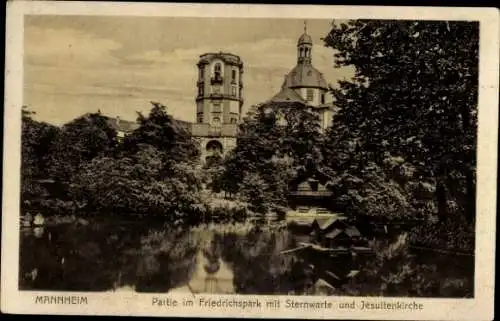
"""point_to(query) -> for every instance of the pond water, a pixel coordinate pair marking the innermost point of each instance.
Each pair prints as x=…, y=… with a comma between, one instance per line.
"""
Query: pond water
x=210, y=259
x=216, y=258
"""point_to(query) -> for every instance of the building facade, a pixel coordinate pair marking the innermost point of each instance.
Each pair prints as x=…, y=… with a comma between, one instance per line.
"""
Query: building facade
x=305, y=85
x=219, y=98
x=219, y=103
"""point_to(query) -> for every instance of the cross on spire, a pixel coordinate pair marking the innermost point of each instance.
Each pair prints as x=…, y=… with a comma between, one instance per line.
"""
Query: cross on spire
x=305, y=26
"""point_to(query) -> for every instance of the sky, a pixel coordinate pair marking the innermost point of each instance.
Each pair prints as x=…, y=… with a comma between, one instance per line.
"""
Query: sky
x=79, y=64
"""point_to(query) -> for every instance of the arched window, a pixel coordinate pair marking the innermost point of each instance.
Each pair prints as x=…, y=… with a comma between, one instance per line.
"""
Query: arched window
x=234, y=120
x=233, y=76
x=213, y=147
x=217, y=70
x=322, y=98
x=217, y=77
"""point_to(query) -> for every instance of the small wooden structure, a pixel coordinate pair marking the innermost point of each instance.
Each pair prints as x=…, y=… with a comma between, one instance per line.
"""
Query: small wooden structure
x=310, y=190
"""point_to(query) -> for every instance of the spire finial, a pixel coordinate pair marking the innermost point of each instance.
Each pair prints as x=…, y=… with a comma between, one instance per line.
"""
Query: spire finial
x=305, y=26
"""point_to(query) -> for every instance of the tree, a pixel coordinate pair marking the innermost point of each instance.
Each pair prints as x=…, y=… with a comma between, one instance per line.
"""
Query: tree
x=413, y=96
x=145, y=183
x=162, y=131
x=37, y=139
x=254, y=191
x=273, y=144
x=78, y=142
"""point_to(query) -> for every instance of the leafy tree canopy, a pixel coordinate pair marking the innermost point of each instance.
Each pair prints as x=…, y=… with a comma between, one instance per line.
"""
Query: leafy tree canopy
x=274, y=143
x=146, y=182
x=414, y=97
x=162, y=131
x=78, y=142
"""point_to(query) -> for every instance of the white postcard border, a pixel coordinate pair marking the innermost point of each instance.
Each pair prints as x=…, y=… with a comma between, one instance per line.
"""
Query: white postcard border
x=119, y=303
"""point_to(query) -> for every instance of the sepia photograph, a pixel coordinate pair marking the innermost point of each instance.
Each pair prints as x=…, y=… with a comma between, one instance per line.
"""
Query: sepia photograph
x=257, y=156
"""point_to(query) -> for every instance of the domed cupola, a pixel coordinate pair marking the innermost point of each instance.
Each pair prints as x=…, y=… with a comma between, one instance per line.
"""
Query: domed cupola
x=304, y=75
x=304, y=39
x=304, y=47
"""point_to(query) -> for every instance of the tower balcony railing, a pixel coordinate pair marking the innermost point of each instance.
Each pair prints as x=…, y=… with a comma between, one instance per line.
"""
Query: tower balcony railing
x=204, y=129
x=216, y=130
x=217, y=95
x=216, y=80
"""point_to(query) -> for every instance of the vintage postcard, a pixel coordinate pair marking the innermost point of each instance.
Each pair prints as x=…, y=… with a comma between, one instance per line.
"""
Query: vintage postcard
x=195, y=160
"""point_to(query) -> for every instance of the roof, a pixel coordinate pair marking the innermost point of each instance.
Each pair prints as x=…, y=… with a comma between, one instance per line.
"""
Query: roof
x=122, y=125
x=331, y=274
x=324, y=106
x=128, y=126
x=324, y=284
x=352, y=274
x=333, y=234
x=329, y=222
x=224, y=56
x=305, y=38
x=305, y=75
x=287, y=95
x=352, y=231
x=308, y=172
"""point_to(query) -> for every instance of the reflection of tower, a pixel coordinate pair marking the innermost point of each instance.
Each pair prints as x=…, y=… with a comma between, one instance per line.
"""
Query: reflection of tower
x=219, y=103
x=211, y=267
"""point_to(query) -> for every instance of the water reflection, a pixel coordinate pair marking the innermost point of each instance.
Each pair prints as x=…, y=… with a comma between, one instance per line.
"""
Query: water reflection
x=224, y=258
x=205, y=259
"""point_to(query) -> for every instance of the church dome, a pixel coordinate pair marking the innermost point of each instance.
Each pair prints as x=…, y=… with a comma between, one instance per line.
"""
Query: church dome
x=305, y=39
x=305, y=75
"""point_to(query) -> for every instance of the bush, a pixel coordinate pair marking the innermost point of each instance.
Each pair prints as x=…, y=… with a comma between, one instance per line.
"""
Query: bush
x=146, y=183
x=451, y=234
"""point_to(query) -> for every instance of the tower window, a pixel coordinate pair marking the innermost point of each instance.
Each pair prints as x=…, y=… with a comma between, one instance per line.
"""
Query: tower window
x=216, y=108
x=234, y=120
x=200, y=90
x=322, y=98
x=217, y=69
x=233, y=91
x=202, y=73
x=310, y=95
x=233, y=76
x=199, y=117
